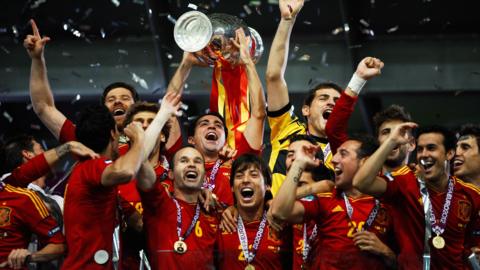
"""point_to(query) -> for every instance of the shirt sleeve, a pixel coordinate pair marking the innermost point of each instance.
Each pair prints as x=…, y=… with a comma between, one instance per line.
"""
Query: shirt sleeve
x=393, y=189
x=174, y=148
x=29, y=171
x=280, y=119
x=35, y=214
x=67, y=132
x=243, y=147
x=153, y=199
x=337, y=124
x=312, y=209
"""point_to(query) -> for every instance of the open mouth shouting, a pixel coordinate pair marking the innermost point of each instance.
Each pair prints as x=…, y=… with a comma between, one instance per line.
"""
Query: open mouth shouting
x=191, y=175
x=326, y=114
x=211, y=136
x=246, y=194
x=427, y=164
x=457, y=163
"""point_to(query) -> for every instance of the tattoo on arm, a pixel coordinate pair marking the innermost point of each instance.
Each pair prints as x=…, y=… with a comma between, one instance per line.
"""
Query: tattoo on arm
x=297, y=175
x=62, y=149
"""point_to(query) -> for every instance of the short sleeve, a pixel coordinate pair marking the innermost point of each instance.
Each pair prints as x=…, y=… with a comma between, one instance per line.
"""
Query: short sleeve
x=67, y=132
x=243, y=147
x=312, y=209
x=153, y=199
x=94, y=170
x=29, y=171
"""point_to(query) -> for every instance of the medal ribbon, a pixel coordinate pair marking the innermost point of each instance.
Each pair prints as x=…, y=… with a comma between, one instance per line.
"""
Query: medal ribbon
x=213, y=175
x=179, y=220
x=439, y=227
x=371, y=216
x=307, y=242
x=242, y=236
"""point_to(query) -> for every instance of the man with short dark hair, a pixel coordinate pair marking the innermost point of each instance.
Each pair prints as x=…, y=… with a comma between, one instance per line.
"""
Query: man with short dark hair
x=91, y=193
x=466, y=163
x=349, y=222
x=442, y=210
x=180, y=233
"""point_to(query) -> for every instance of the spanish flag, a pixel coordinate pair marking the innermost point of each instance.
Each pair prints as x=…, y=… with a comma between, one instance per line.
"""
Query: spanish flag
x=230, y=98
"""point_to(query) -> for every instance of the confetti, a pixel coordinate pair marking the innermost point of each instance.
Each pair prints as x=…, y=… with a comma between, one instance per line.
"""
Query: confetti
x=324, y=59
x=8, y=116
x=95, y=65
x=392, y=29
x=368, y=32
x=171, y=19
x=122, y=51
x=304, y=58
x=139, y=80
x=364, y=23
x=337, y=30
x=346, y=27
x=5, y=50
x=15, y=31
x=192, y=6
x=307, y=22
x=184, y=106
x=75, y=99
x=116, y=2
x=35, y=126
x=273, y=2
x=29, y=107
x=425, y=20
x=255, y=3
x=169, y=55
x=102, y=33
x=37, y=3
x=138, y=2
x=296, y=48
x=247, y=9
x=355, y=46
x=44, y=144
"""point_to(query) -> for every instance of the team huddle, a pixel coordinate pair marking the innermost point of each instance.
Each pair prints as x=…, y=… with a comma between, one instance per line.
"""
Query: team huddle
x=144, y=195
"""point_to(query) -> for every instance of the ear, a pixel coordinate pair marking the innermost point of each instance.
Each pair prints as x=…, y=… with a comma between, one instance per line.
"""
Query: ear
x=450, y=154
x=170, y=174
x=411, y=144
x=27, y=155
x=306, y=110
x=162, y=137
x=190, y=140
x=362, y=161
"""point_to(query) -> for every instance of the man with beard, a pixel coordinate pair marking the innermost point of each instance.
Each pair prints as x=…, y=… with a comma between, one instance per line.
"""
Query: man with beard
x=341, y=215
x=466, y=163
x=117, y=97
x=208, y=131
x=255, y=244
x=180, y=233
x=442, y=210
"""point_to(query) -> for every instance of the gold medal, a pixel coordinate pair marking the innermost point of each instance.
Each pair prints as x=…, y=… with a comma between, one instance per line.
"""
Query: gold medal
x=180, y=247
x=438, y=242
x=250, y=267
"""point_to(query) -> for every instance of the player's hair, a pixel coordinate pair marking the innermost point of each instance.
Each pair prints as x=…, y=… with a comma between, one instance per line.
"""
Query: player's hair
x=11, y=151
x=244, y=162
x=143, y=106
x=114, y=85
x=448, y=142
x=302, y=137
x=94, y=127
x=391, y=113
x=368, y=145
x=471, y=130
x=319, y=86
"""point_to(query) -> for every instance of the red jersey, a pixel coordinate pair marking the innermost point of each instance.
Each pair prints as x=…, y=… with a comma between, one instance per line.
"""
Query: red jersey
x=403, y=194
x=336, y=248
x=160, y=225
x=28, y=172
x=23, y=213
x=271, y=254
x=222, y=188
x=299, y=242
x=89, y=216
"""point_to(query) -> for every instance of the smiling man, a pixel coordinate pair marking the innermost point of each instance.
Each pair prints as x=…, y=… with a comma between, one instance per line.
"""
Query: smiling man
x=255, y=245
x=442, y=232
x=352, y=227
x=466, y=163
x=180, y=234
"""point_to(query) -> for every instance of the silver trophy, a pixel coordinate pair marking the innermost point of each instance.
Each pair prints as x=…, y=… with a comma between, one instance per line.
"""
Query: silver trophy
x=208, y=37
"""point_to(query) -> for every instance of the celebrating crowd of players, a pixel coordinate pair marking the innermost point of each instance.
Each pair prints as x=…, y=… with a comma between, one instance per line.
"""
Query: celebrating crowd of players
x=136, y=198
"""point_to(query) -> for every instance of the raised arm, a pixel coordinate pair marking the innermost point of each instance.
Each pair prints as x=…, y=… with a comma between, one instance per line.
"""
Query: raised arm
x=146, y=177
x=284, y=205
x=126, y=167
x=255, y=125
x=366, y=179
x=40, y=92
x=169, y=107
x=337, y=124
x=277, y=90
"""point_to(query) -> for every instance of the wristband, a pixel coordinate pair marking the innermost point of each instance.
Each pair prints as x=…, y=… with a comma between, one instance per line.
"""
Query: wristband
x=356, y=83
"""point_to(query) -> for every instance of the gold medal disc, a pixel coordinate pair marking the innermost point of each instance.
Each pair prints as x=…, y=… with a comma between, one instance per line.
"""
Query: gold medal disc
x=250, y=267
x=438, y=242
x=180, y=247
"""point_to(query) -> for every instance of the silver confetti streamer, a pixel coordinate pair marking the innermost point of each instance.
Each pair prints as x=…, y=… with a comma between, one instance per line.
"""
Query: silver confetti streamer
x=392, y=29
x=75, y=99
x=8, y=116
x=247, y=9
x=139, y=80
x=116, y=2
x=192, y=6
x=171, y=19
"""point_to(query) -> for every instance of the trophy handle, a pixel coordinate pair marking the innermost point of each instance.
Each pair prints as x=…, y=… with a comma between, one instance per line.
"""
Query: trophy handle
x=256, y=45
x=192, y=31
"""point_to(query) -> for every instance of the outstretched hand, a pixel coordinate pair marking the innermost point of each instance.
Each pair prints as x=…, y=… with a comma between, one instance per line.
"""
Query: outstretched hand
x=401, y=134
x=35, y=44
x=171, y=104
x=306, y=158
x=241, y=43
x=78, y=149
x=290, y=8
x=369, y=67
